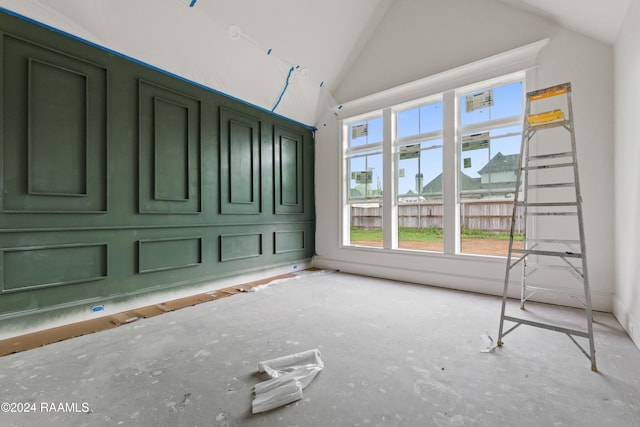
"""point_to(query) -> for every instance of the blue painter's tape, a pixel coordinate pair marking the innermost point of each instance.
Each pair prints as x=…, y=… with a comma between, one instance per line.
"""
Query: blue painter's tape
x=144, y=64
x=193, y=3
x=286, y=85
x=340, y=107
x=321, y=84
x=269, y=52
x=97, y=308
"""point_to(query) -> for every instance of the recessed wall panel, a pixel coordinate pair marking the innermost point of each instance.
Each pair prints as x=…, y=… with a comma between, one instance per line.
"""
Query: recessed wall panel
x=239, y=246
x=46, y=266
x=57, y=130
x=288, y=241
x=169, y=151
x=241, y=159
x=240, y=167
x=54, y=133
x=288, y=171
x=168, y=254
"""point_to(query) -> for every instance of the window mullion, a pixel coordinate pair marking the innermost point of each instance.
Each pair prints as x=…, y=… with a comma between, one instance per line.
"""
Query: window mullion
x=451, y=218
x=389, y=206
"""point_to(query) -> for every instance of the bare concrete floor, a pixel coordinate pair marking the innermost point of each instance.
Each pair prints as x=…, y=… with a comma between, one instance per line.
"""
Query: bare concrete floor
x=395, y=354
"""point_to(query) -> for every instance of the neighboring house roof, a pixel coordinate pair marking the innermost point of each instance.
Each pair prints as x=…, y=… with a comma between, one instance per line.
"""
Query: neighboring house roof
x=465, y=182
x=501, y=163
x=360, y=191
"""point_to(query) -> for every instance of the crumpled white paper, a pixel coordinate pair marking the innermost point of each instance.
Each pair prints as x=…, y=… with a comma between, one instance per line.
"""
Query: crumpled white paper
x=289, y=375
x=490, y=344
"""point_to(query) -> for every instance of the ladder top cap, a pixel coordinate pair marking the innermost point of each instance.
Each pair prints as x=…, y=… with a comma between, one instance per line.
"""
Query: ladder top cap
x=549, y=92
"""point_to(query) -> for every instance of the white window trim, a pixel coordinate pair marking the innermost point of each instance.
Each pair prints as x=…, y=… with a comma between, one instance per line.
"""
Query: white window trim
x=465, y=76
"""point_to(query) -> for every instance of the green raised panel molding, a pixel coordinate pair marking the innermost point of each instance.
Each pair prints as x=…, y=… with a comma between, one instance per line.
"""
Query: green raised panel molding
x=118, y=180
x=288, y=241
x=240, y=166
x=54, y=130
x=240, y=246
x=57, y=110
x=28, y=268
x=169, y=168
x=170, y=253
x=288, y=171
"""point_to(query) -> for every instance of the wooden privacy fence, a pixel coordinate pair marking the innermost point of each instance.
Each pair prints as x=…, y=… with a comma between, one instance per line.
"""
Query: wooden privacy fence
x=489, y=216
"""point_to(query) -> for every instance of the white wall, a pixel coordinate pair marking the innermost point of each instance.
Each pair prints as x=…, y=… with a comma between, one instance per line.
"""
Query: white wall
x=419, y=38
x=627, y=174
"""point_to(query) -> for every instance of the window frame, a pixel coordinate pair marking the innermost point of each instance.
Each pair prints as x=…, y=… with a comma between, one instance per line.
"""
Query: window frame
x=451, y=135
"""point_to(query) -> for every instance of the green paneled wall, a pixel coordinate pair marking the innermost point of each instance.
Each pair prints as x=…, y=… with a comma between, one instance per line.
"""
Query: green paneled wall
x=119, y=180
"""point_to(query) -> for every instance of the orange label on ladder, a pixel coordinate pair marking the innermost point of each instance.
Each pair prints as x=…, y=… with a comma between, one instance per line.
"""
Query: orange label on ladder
x=549, y=94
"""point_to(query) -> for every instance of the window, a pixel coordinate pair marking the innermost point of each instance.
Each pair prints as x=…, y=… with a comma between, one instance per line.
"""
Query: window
x=419, y=177
x=457, y=151
x=490, y=132
x=365, y=171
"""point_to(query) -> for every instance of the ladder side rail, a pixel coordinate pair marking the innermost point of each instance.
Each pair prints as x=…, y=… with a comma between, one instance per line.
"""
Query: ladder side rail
x=525, y=215
x=509, y=266
x=583, y=245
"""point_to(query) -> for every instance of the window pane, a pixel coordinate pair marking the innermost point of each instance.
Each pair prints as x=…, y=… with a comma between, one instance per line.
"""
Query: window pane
x=485, y=228
x=420, y=196
x=491, y=104
x=408, y=123
x=431, y=117
x=508, y=101
x=488, y=170
x=420, y=172
x=365, y=176
x=366, y=224
x=365, y=184
x=365, y=132
x=489, y=163
x=427, y=118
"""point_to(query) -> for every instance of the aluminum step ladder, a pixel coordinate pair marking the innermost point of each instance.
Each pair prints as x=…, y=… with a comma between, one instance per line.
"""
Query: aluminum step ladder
x=546, y=203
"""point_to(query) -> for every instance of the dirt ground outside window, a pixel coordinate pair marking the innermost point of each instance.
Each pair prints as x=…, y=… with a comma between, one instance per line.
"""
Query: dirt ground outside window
x=487, y=246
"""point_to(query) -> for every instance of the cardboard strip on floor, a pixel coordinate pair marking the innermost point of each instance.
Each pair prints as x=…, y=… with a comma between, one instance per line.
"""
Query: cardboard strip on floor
x=60, y=333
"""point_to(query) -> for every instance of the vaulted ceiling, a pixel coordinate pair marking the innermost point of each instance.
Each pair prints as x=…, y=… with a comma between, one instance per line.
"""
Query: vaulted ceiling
x=598, y=19
x=280, y=55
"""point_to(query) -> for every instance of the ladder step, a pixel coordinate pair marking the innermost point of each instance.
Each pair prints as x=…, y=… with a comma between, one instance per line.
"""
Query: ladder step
x=547, y=326
x=558, y=185
x=538, y=205
x=557, y=165
x=547, y=125
x=565, y=254
x=565, y=241
x=549, y=92
x=533, y=268
x=548, y=116
x=555, y=291
x=551, y=156
x=552, y=213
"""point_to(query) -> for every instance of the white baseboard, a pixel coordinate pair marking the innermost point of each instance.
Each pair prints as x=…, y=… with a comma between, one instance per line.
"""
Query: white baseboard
x=462, y=280
x=630, y=321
